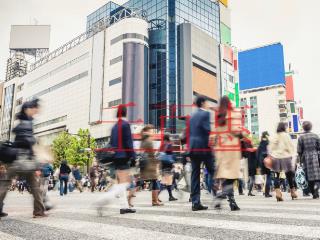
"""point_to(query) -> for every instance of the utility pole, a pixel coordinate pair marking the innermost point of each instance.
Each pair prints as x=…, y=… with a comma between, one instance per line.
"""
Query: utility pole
x=88, y=153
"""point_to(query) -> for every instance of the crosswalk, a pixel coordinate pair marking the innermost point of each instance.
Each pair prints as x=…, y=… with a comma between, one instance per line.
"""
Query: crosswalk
x=76, y=218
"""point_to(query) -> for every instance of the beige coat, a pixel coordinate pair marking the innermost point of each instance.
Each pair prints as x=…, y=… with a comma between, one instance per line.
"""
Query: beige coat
x=281, y=146
x=227, y=146
x=152, y=169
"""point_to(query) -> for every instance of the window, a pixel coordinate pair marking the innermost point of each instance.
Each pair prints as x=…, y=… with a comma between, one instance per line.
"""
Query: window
x=19, y=102
x=115, y=60
x=50, y=122
x=115, y=81
x=20, y=87
x=115, y=102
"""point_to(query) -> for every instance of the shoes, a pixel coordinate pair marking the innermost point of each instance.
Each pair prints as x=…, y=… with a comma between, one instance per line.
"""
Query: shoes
x=268, y=195
x=198, y=207
x=3, y=214
x=233, y=205
x=250, y=194
x=241, y=193
x=293, y=193
x=127, y=210
x=190, y=199
x=278, y=195
x=40, y=215
x=172, y=199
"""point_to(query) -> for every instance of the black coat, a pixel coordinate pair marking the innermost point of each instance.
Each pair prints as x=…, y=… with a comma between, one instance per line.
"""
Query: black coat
x=251, y=156
x=262, y=153
x=24, y=138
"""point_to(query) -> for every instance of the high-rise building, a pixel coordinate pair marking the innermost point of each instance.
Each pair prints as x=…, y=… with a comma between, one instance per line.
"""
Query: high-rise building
x=166, y=72
x=263, y=89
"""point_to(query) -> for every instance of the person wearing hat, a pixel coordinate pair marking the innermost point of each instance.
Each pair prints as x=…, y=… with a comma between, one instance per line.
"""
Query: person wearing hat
x=24, y=142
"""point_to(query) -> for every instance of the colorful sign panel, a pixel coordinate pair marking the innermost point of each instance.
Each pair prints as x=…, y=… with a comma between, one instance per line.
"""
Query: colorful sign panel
x=224, y=2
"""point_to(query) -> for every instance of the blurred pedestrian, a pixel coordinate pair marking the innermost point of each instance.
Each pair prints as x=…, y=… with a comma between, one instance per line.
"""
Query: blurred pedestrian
x=77, y=177
x=25, y=165
x=150, y=171
x=281, y=150
x=64, y=177
x=122, y=143
x=309, y=154
x=200, y=151
x=262, y=153
x=229, y=131
x=94, y=173
x=47, y=171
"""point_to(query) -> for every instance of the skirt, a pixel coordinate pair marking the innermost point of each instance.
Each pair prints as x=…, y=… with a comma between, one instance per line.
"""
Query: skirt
x=282, y=164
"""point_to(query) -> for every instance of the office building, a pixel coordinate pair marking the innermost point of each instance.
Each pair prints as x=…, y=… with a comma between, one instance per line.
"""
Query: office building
x=81, y=83
x=263, y=89
x=166, y=70
x=264, y=108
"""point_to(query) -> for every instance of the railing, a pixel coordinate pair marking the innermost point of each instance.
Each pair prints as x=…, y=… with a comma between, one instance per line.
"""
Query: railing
x=97, y=27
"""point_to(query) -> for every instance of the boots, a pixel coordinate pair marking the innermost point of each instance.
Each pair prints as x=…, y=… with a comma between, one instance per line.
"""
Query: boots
x=155, y=200
x=293, y=193
x=232, y=203
x=278, y=195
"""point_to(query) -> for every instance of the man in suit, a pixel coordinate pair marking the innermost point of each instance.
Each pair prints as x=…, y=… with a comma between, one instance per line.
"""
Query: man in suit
x=200, y=152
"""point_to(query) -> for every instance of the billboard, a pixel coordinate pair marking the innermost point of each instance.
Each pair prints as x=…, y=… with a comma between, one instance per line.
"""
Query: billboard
x=289, y=88
x=29, y=37
x=261, y=67
x=295, y=120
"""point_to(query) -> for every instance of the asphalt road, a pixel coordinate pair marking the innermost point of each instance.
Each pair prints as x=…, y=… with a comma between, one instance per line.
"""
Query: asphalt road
x=74, y=217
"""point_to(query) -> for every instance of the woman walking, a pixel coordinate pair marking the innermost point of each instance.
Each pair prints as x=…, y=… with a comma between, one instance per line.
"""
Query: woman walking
x=150, y=171
x=228, y=151
x=166, y=153
x=308, y=151
x=262, y=153
x=122, y=143
x=281, y=150
x=64, y=177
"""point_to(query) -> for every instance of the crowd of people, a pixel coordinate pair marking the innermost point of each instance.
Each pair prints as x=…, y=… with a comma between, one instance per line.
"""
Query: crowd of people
x=212, y=159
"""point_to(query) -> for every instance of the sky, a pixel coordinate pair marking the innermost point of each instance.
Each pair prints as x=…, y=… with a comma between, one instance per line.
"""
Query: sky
x=294, y=23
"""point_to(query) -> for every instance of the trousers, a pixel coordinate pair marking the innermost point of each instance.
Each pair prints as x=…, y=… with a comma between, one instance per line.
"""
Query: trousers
x=33, y=181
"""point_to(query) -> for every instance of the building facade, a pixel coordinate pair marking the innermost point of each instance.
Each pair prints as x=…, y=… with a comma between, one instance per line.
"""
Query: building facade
x=165, y=72
x=82, y=83
x=264, y=108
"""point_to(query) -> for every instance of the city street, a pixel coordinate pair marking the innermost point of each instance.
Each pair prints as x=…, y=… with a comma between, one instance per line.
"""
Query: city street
x=75, y=218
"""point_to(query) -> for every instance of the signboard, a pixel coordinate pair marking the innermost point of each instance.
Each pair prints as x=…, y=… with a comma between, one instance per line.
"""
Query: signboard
x=29, y=37
x=295, y=121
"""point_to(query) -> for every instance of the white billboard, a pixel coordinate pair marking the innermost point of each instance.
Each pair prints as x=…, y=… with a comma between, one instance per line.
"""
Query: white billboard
x=29, y=37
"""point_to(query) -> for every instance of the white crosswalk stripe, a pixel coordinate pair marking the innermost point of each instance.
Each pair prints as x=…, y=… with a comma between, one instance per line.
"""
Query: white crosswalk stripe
x=259, y=218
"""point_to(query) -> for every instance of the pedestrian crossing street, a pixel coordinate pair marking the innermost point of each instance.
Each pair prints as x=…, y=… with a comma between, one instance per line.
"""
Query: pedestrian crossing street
x=75, y=218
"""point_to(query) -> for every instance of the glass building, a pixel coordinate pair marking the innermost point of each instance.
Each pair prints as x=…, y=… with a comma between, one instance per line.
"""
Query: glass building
x=164, y=17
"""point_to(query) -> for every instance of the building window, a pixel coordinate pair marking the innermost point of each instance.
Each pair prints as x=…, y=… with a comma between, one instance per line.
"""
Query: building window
x=20, y=87
x=129, y=35
x=115, y=60
x=115, y=102
x=7, y=112
x=50, y=122
x=115, y=81
x=19, y=102
x=62, y=84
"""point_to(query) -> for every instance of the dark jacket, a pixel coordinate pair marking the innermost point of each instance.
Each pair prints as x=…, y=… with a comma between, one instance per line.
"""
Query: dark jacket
x=199, y=134
x=76, y=173
x=124, y=150
x=168, y=149
x=64, y=169
x=249, y=153
x=24, y=138
x=262, y=153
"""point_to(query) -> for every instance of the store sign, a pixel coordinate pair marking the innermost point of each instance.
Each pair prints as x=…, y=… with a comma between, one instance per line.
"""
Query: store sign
x=224, y=2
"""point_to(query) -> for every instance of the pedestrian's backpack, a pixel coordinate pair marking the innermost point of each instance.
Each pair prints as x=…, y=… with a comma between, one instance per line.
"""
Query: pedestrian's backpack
x=46, y=170
x=301, y=179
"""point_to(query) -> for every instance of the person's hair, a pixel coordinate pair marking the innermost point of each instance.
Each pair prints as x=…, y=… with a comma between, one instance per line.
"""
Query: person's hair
x=35, y=103
x=200, y=100
x=146, y=129
x=282, y=127
x=224, y=106
x=64, y=162
x=166, y=137
x=264, y=135
x=122, y=111
x=307, y=126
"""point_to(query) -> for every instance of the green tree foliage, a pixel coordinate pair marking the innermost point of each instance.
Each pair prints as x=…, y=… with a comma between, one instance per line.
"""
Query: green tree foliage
x=76, y=149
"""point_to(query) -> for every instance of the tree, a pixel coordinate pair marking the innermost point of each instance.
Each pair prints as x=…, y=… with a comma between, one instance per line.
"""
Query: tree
x=75, y=148
x=60, y=146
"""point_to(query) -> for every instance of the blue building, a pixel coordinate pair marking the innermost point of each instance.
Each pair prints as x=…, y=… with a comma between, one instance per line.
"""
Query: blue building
x=261, y=67
x=165, y=16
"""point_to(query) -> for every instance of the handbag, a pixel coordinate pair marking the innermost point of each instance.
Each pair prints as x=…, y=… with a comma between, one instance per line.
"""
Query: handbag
x=106, y=154
x=268, y=162
x=8, y=154
x=24, y=163
x=300, y=177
